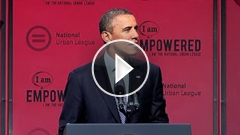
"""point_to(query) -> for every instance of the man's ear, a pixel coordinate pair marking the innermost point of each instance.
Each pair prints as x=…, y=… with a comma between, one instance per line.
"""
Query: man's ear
x=106, y=36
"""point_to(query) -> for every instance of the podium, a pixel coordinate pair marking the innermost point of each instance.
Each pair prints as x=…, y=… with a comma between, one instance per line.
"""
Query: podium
x=128, y=129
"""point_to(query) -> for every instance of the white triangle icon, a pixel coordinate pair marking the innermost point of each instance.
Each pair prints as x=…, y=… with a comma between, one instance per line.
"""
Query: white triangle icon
x=122, y=68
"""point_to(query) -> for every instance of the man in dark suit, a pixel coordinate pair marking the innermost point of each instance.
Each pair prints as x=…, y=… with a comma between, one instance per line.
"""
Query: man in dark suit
x=86, y=103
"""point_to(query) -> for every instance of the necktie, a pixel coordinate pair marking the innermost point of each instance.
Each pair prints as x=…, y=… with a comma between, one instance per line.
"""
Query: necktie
x=121, y=114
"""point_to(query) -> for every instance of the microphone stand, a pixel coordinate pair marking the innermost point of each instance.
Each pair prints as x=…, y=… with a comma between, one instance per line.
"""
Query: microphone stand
x=132, y=108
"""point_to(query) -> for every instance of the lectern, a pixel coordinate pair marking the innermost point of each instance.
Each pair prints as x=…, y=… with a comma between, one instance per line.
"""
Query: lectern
x=128, y=129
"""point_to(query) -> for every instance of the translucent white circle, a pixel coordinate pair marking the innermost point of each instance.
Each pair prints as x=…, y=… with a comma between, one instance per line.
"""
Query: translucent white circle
x=105, y=45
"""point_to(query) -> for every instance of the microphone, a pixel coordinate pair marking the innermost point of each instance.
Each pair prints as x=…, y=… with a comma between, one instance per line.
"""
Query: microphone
x=119, y=90
x=135, y=102
x=132, y=107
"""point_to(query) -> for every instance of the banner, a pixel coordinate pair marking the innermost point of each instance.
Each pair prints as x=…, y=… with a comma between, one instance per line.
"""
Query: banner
x=53, y=37
x=232, y=67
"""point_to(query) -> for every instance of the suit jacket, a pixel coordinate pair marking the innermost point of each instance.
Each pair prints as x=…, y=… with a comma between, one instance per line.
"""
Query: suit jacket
x=85, y=103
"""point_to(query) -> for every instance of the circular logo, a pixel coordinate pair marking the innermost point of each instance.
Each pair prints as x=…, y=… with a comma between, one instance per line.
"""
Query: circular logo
x=39, y=131
x=149, y=28
x=238, y=2
x=42, y=79
x=129, y=64
x=38, y=38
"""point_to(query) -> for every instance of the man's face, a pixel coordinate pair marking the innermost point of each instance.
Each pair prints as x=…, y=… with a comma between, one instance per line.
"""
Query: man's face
x=125, y=27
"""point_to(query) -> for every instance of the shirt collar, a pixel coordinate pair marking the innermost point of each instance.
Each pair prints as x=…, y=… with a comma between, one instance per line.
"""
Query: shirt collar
x=109, y=62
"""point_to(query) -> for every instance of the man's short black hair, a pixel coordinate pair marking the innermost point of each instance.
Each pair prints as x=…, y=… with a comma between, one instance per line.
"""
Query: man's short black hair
x=105, y=23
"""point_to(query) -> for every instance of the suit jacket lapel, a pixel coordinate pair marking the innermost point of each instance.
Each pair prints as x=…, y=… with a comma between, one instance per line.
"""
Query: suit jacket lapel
x=103, y=80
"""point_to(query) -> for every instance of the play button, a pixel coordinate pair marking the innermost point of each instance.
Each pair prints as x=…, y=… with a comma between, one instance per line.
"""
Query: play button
x=122, y=68
x=120, y=62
